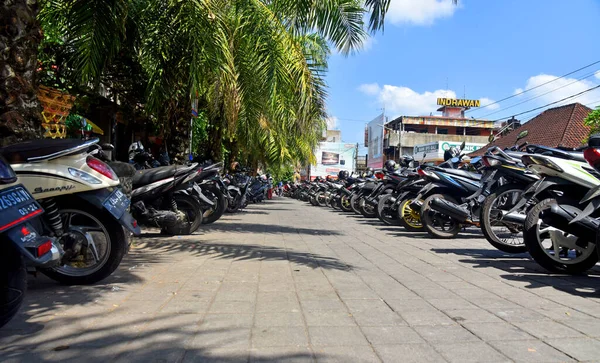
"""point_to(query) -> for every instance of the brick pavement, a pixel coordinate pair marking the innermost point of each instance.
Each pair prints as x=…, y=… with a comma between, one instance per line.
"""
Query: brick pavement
x=287, y=281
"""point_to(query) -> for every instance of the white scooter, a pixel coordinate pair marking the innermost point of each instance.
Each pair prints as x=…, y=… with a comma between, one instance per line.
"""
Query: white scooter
x=85, y=208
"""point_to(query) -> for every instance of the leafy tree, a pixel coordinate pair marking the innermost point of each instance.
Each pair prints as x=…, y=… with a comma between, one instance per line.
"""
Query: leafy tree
x=593, y=122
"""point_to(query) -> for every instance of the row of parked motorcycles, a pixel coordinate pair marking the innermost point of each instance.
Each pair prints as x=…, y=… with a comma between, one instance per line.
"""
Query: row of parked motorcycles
x=525, y=199
x=68, y=211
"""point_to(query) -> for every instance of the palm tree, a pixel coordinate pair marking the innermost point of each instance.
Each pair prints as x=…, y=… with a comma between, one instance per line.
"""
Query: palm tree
x=20, y=116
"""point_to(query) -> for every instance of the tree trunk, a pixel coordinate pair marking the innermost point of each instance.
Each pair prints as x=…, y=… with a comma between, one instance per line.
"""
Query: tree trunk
x=215, y=139
x=179, y=132
x=20, y=35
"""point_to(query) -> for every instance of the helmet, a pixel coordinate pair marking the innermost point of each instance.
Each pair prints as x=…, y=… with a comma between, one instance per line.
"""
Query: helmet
x=343, y=174
x=369, y=171
x=235, y=166
x=134, y=148
x=390, y=165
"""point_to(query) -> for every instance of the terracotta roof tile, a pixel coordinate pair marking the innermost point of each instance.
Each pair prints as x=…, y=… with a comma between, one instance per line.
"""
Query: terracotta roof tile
x=559, y=126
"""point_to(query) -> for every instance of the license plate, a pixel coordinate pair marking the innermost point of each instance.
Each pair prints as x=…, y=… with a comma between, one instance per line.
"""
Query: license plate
x=17, y=205
x=116, y=203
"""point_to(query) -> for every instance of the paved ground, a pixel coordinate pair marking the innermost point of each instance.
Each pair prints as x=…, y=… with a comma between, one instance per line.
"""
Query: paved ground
x=287, y=281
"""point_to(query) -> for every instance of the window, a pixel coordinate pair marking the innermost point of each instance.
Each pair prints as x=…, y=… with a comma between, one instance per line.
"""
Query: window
x=442, y=131
x=460, y=130
x=424, y=131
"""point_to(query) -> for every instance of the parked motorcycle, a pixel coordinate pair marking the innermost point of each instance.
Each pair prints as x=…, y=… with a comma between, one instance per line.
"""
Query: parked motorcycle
x=86, y=211
x=22, y=245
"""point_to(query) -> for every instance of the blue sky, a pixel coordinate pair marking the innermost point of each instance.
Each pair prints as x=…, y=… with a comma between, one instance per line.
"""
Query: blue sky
x=490, y=48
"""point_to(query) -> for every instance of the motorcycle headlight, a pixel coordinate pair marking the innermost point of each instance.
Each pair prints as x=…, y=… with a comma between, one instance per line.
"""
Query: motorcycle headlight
x=80, y=174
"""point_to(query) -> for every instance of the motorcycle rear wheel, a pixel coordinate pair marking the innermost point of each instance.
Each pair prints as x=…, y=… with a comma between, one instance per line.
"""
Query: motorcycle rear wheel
x=354, y=203
x=438, y=225
x=385, y=214
x=576, y=260
x=220, y=205
x=13, y=281
x=344, y=203
x=193, y=213
x=73, y=272
x=409, y=218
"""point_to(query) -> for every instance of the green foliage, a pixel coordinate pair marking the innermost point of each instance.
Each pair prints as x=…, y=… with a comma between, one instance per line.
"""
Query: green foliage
x=199, y=133
x=257, y=66
x=593, y=122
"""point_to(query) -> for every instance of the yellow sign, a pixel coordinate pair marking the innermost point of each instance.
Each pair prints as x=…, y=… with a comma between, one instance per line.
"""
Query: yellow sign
x=453, y=102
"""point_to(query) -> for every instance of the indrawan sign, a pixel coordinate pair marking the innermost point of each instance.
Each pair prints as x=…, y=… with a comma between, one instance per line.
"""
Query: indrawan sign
x=453, y=102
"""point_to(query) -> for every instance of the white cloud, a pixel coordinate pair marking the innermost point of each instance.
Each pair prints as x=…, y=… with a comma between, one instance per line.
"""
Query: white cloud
x=370, y=89
x=486, y=101
x=559, y=89
x=332, y=123
x=400, y=100
x=368, y=43
x=518, y=91
x=597, y=74
x=419, y=12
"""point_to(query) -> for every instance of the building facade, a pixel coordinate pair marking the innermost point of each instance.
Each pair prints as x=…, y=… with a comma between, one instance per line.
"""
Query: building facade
x=405, y=133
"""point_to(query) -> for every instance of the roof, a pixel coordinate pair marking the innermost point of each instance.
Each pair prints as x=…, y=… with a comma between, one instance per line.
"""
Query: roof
x=558, y=126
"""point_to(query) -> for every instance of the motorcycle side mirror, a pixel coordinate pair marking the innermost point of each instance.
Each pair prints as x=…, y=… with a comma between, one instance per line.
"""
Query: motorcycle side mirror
x=455, y=160
x=107, y=146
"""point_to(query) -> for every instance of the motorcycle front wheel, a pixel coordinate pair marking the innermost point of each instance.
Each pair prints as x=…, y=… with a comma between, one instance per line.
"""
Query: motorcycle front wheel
x=13, y=281
x=344, y=203
x=505, y=236
x=94, y=244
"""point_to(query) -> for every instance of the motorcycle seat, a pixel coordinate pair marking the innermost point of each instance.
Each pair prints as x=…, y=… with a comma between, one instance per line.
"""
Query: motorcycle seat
x=44, y=149
x=463, y=173
x=149, y=176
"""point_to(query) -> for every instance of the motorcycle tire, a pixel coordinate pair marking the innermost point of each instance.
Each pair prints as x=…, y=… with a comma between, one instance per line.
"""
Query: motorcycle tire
x=354, y=203
x=320, y=198
x=429, y=220
x=118, y=246
x=332, y=202
x=193, y=211
x=344, y=203
x=366, y=211
x=220, y=205
x=541, y=255
x=486, y=223
x=409, y=218
x=384, y=213
x=13, y=282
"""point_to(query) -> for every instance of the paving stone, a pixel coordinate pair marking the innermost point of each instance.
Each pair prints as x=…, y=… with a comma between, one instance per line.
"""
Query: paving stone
x=469, y=352
x=519, y=314
x=278, y=319
x=281, y=354
x=497, y=331
x=472, y=315
x=445, y=333
x=530, y=351
x=336, y=336
x=385, y=335
x=346, y=354
x=276, y=336
x=323, y=305
x=216, y=355
x=582, y=349
x=329, y=318
x=408, y=353
x=430, y=316
x=544, y=329
x=220, y=321
x=232, y=307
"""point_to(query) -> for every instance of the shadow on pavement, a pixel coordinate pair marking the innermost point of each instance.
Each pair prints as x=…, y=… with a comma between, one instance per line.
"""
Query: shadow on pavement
x=140, y=338
x=522, y=268
x=243, y=252
x=261, y=228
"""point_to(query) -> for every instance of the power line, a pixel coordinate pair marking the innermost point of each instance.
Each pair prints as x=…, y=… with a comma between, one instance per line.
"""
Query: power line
x=540, y=95
x=532, y=88
x=551, y=103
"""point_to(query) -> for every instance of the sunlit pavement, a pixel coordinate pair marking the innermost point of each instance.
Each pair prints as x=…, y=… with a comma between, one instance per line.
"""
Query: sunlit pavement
x=287, y=281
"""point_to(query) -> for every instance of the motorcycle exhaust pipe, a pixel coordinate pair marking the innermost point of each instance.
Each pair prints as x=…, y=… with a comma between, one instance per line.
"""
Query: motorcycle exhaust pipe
x=559, y=217
x=450, y=209
x=416, y=205
x=512, y=217
x=371, y=201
